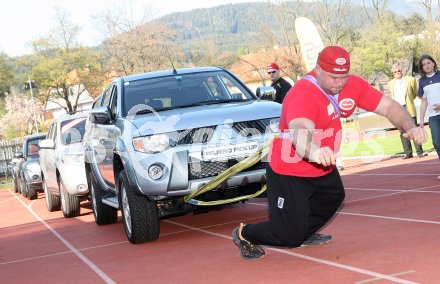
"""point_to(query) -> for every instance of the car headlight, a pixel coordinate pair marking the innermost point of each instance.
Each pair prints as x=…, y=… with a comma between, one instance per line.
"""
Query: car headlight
x=73, y=159
x=151, y=144
x=33, y=168
x=274, y=125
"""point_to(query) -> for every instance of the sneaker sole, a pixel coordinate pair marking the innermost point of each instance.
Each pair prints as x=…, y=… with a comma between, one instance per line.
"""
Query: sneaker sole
x=323, y=243
x=237, y=242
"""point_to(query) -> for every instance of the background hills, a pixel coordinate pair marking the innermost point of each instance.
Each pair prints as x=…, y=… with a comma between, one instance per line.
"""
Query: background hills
x=241, y=26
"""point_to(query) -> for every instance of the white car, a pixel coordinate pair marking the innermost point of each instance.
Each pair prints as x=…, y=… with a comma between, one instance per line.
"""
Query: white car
x=62, y=165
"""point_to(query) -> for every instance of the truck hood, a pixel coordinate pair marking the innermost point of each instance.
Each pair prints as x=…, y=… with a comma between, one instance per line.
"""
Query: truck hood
x=203, y=116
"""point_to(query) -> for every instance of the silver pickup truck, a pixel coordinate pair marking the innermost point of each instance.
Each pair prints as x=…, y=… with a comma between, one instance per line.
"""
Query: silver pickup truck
x=153, y=138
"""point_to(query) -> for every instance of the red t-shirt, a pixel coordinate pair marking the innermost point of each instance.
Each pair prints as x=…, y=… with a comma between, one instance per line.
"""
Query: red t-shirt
x=304, y=100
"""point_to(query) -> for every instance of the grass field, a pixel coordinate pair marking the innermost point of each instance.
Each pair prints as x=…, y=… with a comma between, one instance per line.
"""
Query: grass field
x=5, y=184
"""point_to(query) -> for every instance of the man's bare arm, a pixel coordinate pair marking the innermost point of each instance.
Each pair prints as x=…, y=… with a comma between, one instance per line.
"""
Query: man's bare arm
x=400, y=118
x=301, y=133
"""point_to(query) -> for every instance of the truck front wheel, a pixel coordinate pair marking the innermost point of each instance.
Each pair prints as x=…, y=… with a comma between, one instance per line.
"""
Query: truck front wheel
x=139, y=214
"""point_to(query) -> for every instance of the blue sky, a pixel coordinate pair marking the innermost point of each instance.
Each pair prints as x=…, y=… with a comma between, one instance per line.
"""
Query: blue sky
x=23, y=21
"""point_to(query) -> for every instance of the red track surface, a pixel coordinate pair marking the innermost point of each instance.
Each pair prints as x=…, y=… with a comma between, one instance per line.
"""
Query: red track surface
x=387, y=232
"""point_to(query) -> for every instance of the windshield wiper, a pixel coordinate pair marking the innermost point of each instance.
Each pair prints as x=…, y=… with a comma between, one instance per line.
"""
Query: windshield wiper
x=147, y=110
x=219, y=102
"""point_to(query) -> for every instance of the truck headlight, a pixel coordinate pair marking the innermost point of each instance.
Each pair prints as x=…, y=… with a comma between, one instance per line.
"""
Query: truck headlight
x=151, y=144
x=274, y=125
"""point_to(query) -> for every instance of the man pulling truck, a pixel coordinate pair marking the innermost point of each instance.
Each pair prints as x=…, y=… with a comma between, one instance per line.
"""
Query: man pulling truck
x=304, y=188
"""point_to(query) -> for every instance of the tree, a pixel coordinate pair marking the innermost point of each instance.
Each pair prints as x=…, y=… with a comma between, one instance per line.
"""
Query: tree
x=63, y=69
x=378, y=47
x=6, y=80
x=135, y=46
x=283, y=41
x=19, y=118
x=330, y=18
x=6, y=74
x=430, y=34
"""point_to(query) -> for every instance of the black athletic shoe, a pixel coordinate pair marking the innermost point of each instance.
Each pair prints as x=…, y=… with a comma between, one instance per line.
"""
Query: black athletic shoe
x=317, y=239
x=247, y=250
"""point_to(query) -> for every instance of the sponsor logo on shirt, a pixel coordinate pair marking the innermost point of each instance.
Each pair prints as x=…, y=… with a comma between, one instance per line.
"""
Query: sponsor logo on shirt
x=280, y=202
x=346, y=104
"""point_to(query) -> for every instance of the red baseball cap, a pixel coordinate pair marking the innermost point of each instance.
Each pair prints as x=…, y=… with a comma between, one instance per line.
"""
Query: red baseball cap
x=272, y=66
x=334, y=59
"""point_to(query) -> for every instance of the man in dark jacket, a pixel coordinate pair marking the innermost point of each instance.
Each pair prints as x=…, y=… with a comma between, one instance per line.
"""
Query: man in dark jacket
x=281, y=86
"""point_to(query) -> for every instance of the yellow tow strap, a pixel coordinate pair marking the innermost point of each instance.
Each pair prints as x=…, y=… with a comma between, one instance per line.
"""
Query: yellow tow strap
x=242, y=165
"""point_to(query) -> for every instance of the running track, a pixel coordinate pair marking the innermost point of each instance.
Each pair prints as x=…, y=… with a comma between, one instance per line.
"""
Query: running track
x=388, y=231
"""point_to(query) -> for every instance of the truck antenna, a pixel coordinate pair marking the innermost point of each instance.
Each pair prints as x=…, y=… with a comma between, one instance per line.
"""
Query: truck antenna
x=171, y=61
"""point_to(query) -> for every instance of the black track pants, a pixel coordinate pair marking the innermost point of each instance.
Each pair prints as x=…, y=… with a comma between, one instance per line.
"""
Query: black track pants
x=298, y=208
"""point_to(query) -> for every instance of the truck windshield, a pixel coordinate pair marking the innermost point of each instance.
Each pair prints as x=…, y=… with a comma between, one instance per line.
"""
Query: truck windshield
x=179, y=91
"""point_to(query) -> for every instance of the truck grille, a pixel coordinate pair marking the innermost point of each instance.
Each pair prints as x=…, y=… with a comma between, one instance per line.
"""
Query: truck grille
x=250, y=128
x=195, y=135
x=202, y=169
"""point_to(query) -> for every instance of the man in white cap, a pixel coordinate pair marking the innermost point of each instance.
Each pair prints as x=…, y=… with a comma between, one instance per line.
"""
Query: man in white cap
x=304, y=188
x=280, y=85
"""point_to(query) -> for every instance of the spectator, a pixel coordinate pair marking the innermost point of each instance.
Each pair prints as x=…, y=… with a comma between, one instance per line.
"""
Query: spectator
x=281, y=86
x=404, y=90
x=429, y=92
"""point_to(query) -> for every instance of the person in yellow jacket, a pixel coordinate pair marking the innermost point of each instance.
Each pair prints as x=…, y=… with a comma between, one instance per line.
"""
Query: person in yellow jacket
x=404, y=90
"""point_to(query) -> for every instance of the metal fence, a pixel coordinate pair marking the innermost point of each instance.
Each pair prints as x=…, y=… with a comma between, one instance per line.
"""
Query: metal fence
x=7, y=151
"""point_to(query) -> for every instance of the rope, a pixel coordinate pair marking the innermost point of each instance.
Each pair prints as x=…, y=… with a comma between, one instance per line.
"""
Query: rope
x=242, y=165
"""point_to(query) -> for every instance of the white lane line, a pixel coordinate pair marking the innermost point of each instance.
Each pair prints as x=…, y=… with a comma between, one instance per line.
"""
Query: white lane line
x=314, y=259
x=35, y=257
x=389, y=194
x=212, y=226
x=88, y=262
x=124, y=242
x=16, y=226
x=388, y=189
x=60, y=253
x=377, y=174
x=394, y=274
x=375, y=216
x=391, y=218
x=7, y=200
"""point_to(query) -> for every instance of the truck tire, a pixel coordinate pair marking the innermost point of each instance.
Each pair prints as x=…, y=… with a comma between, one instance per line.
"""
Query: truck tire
x=103, y=213
x=24, y=187
x=52, y=201
x=32, y=192
x=69, y=202
x=139, y=214
x=15, y=185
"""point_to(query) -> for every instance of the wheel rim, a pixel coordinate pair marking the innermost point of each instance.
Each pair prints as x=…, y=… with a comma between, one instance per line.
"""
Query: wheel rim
x=46, y=195
x=95, y=211
x=126, y=209
x=63, y=201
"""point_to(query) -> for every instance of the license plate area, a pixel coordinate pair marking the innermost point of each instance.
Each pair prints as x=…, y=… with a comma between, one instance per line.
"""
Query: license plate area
x=226, y=152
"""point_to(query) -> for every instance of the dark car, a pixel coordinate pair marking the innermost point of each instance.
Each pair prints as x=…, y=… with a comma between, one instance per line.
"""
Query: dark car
x=28, y=172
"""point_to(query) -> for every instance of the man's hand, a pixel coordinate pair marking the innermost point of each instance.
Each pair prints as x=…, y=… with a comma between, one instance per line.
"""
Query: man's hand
x=323, y=156
x=418, y=134
x=436, y=107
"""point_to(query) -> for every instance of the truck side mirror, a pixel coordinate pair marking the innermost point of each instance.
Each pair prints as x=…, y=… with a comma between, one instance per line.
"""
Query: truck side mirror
x=266, y=93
